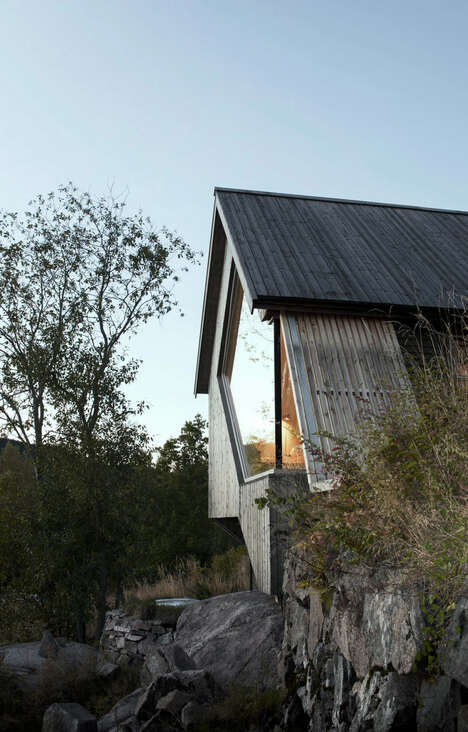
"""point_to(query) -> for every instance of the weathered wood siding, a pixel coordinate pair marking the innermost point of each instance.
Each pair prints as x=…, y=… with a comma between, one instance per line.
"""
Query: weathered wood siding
x=223, y=483
x=255, y=526
x=265, y=531
x=340, y=365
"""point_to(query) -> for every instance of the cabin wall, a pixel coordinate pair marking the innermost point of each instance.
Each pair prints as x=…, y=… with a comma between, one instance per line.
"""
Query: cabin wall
x=266, y=530
x=223, y=484
x=341, y=366
x=255, y=524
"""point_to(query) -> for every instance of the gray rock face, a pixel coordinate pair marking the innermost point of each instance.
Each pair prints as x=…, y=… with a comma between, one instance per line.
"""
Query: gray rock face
x=462, y=719
x=165, y=659
x=24, y=662
x=168, y=694
x=68, y=718
x=121, y=714
x=376, y=621
x=237, y=637
x=386, y=702
x=349, y=662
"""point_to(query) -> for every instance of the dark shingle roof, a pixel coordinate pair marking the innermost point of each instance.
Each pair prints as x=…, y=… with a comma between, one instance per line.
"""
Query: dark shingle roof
x=336, y=251
x=333, y=254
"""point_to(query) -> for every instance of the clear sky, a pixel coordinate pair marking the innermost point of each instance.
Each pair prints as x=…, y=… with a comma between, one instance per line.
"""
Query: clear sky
x=165, y=100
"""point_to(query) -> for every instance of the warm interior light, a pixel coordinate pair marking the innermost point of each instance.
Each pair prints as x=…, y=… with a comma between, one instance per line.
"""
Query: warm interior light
x=293, y=455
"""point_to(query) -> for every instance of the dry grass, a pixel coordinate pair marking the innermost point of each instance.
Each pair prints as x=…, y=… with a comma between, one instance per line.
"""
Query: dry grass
x=228, y=572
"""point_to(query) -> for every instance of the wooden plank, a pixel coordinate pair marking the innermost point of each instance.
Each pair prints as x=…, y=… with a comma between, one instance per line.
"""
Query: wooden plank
x=336, y=361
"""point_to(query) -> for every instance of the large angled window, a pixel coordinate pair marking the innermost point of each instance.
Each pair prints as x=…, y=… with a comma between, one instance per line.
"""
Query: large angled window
x=247, y=374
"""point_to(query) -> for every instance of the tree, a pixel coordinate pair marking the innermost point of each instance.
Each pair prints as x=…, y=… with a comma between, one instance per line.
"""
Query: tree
x=176, y=522
x=79, y=276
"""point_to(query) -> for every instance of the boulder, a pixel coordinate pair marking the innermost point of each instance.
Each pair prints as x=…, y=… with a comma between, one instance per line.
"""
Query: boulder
x=107, y=670
x=121, y=714
x=164, y=660
x=29, y=668
x=174, y=702
x=68, y=718
x=237, y=637
x=196, y=685
x=162, y=721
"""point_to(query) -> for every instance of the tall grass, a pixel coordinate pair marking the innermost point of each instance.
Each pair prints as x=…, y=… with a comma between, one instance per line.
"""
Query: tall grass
x=228, y=572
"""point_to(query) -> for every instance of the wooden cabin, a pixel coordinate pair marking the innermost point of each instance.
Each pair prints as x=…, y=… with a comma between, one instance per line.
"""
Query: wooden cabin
x=303, y=305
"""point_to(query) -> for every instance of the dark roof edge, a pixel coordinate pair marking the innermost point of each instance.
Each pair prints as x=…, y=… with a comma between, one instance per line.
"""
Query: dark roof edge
x=220, y=189
x=270, y=303
x=213, y=251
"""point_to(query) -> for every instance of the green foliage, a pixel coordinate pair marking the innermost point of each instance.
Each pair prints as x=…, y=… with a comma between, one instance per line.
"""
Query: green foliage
x=116, y=509
x=436, y=616
x=79, y=276
x=175, y=523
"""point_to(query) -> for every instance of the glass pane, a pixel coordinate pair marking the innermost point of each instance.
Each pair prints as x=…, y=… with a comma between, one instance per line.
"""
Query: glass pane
x=293, y=454
x=252, y=388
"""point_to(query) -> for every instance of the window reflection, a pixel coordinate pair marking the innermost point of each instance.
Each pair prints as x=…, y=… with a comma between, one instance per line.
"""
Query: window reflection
x=252, y=387
x=248, y=369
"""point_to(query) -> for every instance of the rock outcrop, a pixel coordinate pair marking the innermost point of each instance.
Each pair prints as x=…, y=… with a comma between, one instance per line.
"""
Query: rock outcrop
x=227, y=640
x=350, y=659
x=68, y=718
x=236, y=637
x=29, y=664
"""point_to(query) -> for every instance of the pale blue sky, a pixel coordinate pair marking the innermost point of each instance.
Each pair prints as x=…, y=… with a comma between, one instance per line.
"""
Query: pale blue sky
x=168, y=99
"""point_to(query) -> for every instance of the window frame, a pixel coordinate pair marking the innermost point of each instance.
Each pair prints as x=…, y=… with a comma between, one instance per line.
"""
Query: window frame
x=235, y=295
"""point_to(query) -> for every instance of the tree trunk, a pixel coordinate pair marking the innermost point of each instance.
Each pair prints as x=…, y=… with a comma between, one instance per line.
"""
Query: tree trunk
x=118, y=593
x=101, y=604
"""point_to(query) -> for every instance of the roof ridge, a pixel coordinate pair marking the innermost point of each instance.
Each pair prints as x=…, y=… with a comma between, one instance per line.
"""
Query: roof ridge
x=220, y=189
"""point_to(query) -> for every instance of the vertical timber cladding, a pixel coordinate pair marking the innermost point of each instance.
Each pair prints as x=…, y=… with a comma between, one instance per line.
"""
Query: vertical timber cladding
x=255, y=525
x=223, y=483
x=340, y=365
